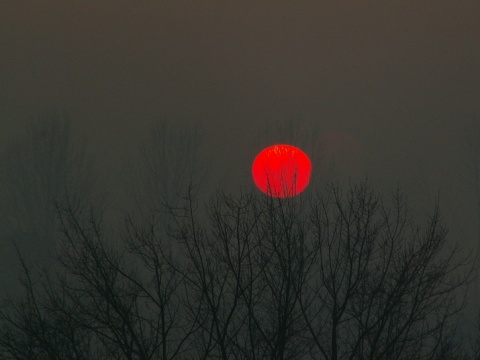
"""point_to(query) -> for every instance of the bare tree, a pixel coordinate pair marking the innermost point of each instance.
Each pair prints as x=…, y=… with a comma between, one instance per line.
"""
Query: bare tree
x=346, y=275
x=102, y=302
x=169, y=161
x=35, y=326
x=382, y=288
x=35, y=170
x=359, y=279
x=475, y=340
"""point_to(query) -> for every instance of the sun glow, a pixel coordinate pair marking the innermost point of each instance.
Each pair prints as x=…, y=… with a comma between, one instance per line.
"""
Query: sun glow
x=281, y=171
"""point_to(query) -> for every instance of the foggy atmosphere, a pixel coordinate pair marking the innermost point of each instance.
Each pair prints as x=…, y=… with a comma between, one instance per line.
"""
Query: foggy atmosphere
x=130, y=223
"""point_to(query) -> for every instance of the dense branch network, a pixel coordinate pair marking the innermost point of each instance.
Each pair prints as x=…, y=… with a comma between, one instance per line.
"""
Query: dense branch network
x=345, y=276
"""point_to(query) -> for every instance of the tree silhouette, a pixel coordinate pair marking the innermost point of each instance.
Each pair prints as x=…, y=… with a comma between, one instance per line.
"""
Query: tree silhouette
x=346, y=275
x=167, y=163
x=36, y=169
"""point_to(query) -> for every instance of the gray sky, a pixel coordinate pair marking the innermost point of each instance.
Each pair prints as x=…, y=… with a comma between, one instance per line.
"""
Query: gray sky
x=399, y=77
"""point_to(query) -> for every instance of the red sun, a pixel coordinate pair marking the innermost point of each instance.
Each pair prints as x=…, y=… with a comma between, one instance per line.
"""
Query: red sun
x=281, y=171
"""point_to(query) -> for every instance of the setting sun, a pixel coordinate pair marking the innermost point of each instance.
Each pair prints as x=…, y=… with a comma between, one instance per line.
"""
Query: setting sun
x=281, y=171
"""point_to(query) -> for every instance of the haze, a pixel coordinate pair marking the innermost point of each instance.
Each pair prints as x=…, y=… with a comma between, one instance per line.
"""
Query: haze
x=400, y=78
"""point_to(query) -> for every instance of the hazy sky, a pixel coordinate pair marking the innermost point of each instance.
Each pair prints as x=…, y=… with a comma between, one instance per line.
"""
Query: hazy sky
x=398, y=81
x=399, y=77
